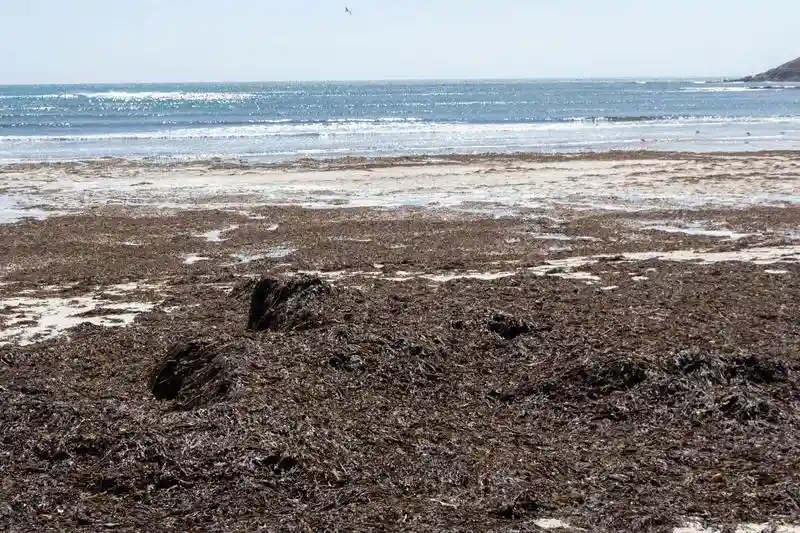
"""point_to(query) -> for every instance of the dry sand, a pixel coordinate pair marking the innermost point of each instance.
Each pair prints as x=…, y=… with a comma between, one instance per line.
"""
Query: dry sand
x=626, y=182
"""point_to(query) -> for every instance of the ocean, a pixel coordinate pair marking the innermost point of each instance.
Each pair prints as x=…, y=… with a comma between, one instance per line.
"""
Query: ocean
x=273, y=122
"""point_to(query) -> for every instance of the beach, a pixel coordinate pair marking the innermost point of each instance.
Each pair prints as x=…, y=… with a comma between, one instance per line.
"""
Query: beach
x=507, y=342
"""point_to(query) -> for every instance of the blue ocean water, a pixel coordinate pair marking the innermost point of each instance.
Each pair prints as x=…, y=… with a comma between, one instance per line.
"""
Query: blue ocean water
x=285, y=121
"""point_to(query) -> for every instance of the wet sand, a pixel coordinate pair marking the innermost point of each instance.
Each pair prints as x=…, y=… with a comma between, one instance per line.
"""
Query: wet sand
x=654, y=386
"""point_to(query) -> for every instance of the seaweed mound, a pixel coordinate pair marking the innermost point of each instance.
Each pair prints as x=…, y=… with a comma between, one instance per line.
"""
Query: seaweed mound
x=508, y=327
x=198, y=373
x=293, y=304
x=693, y=385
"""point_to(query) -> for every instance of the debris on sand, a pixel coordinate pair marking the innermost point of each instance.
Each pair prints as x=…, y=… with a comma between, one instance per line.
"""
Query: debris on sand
x=522, y=508
x=277, y=463
x=508, y=326
x=203, y=371
x=694, y=385
x=26, y=320
x=524, y=403
x=198, y=372
x=292, y=304
x=585, y=379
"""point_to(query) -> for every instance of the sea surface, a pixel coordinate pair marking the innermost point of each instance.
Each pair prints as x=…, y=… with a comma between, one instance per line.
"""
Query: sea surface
x=267, y=122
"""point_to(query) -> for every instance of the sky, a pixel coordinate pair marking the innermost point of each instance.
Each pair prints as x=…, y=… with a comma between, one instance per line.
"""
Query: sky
x=119, y=41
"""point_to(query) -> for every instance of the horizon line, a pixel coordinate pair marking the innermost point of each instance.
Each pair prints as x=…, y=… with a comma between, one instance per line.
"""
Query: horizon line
x=381, y=80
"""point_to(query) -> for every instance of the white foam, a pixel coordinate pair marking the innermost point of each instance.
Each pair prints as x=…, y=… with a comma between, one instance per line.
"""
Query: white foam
x=333, y=275
x=444, y=278
x=561, y=237
x=752, y=528
x=775, y=271
x=695, y=526
x=565, y=268
x=159, y=95
x=350, y=239
x=216, y=234
x=194, y=258
x=698, y=228
x=551, y=523
x=13, y=209
x=729, y=89
x=45, y=318
x=760, y=256
x=551, y=237
x=251, y=216
x=588, y=277
x=278, y=252
x=120, y=289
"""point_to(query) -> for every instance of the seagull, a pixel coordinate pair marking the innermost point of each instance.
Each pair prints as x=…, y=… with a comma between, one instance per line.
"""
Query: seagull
x=347, y=10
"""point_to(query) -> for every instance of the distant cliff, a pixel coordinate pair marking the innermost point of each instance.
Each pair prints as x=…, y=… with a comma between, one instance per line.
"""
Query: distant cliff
x=787, y=72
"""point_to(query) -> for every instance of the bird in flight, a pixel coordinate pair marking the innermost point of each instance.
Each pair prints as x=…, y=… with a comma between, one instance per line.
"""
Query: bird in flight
x=347, y=10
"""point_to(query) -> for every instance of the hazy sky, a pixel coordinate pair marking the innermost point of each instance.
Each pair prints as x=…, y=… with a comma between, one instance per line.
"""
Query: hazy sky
x=65, y=41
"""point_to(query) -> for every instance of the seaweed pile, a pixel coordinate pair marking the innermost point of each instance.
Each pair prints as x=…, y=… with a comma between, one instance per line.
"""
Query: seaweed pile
x=472, y=405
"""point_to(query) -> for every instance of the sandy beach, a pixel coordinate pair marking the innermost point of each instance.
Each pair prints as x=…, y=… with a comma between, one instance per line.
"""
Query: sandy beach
x=598, y=342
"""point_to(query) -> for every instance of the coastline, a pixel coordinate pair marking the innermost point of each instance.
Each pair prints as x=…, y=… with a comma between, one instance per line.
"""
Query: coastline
x=485, y=183
x=512, y=341
x=348, y=162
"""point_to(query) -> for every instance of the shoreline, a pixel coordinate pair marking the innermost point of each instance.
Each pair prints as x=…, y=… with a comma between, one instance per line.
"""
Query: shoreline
x=356, y=162
x=489, y=184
